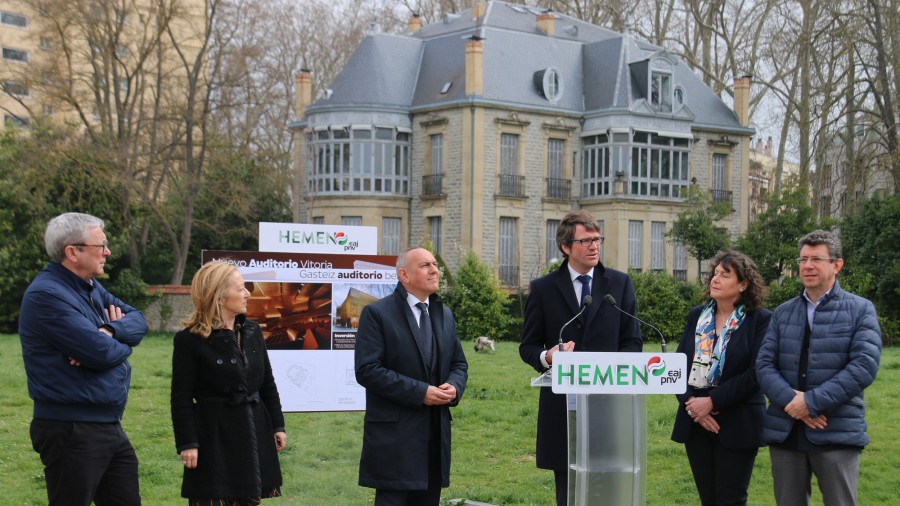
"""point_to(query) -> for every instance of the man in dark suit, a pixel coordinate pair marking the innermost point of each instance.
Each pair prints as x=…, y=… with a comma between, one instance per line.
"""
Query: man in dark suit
x=555, y=299
x=412, y=366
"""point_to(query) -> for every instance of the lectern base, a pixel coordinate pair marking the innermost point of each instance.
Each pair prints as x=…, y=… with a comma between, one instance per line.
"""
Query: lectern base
x=607, y=450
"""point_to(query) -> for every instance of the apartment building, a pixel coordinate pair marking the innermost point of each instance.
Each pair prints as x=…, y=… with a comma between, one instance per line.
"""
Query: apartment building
x=481, y=131
x=95, y=64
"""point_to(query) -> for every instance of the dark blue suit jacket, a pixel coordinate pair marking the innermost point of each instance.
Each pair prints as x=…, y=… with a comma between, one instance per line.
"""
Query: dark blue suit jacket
x=738, y=398
x=551, y=303
x=391, y=367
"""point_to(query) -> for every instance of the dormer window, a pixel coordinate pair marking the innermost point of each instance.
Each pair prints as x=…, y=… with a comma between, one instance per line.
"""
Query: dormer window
x=549, y=84
x=661, y=90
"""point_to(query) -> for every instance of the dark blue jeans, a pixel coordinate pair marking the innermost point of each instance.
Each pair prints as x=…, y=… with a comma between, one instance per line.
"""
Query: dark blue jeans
x=86, y=462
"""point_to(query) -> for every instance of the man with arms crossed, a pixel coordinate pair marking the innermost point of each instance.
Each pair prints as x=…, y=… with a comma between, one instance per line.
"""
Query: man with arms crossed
x=76, y=339
x=555, y=299
x=412, y=366
x=821, y=351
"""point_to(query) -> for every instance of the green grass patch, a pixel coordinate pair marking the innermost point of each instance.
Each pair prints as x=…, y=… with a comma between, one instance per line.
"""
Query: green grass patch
x=493, y=440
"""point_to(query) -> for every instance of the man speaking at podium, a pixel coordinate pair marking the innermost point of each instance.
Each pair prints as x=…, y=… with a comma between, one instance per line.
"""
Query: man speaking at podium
x=579, y=285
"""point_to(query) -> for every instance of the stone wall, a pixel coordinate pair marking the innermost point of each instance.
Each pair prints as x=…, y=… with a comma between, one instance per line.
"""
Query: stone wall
x=166, y=313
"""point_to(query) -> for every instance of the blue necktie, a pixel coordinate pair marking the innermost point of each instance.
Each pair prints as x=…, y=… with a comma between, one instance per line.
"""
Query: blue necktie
x=585, y=286
x=426, y=333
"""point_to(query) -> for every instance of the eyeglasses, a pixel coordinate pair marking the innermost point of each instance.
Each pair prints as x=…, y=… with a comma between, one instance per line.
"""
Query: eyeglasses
x=813, y=260
x=586, y=242
x=103, y=247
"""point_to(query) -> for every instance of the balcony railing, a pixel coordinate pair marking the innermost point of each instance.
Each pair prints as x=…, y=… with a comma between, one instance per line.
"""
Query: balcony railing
x=680, y=274
x=512, y=185
x=509, y=275
x=559, y=188
x=432, y=185
x=721, y=195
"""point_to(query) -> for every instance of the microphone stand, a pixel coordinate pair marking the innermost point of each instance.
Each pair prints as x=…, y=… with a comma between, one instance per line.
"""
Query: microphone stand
x=585, y=303
x=609, y=299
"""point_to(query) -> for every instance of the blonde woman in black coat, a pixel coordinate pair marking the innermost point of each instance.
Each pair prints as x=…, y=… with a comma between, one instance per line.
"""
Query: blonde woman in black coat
x=226, y=412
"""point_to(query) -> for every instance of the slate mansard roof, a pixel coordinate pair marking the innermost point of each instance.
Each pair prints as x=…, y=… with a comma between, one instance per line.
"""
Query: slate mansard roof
x=406, y=73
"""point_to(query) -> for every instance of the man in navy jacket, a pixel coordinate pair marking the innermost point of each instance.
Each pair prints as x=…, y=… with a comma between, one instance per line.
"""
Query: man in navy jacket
x=76, y=339
x=410, y=361
x=821, y=351
x=555, y=299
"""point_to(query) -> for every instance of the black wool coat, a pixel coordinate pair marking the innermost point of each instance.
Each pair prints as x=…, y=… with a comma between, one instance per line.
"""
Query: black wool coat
x=226, y=405
x=391, y=367
x=552, y=302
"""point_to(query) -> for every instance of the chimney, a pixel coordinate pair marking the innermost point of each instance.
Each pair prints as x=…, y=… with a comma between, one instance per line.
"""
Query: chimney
x=769, y=146
x=414, y=24
x=474, y=67
x=759, y=147
x=545, y=22
x=303, y=93
x=478, y=9
x=742, y=99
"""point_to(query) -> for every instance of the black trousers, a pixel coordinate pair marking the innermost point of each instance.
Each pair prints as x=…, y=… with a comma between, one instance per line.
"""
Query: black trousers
x=721, y=474
x=85, y=462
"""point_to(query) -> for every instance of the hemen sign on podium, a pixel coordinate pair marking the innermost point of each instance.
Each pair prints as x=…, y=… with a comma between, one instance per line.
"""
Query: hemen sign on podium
x=619, y=373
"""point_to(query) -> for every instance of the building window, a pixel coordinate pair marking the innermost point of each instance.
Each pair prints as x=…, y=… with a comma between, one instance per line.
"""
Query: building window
x=432, y=183
x=390, y=236
x=121, y=51
x=635, y=236
x=679, y=95
x=552, y=249
x=558, y=187
x=351, y=221
x=318, y=220
x=509, y=252
x=511, y=183
x=661, y=91
x=16, y=89
x=657, y=246
x=434, y=233
x=659, y=166
x=717, y=187
x=549, y=83
x=17, y=20
x=359, y=161
x=13, y=121
x=46, y=43
x=596, y=176
x=47, y=110
x=679, y=271
x=17, y=55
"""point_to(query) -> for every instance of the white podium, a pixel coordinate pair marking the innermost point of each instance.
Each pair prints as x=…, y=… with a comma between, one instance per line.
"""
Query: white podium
x=607, y=419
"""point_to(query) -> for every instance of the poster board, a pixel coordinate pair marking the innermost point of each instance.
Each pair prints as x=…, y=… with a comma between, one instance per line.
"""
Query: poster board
x=308, y=308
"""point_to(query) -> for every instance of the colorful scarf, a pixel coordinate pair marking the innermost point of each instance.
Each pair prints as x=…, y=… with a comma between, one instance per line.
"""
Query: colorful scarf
x=709, y=353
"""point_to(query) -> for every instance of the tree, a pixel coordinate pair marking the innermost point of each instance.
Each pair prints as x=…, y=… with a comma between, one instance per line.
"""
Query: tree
x=477, y=300
x=696, y=227
x=771, y=241
x=664, y=301
x=871, y=263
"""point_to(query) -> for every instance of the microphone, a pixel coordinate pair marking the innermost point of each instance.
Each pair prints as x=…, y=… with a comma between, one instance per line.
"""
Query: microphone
x=609, y=299
x=584, y=304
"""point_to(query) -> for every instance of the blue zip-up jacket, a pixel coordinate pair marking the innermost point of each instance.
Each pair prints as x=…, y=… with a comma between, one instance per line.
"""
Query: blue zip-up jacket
x=60, y=318
x=844, y=351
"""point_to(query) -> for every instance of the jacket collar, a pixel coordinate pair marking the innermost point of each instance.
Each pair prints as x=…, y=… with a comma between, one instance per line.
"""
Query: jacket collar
x=69, y=278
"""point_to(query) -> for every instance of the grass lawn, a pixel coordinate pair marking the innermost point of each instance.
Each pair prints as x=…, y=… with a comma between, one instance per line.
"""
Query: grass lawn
x=493, y=440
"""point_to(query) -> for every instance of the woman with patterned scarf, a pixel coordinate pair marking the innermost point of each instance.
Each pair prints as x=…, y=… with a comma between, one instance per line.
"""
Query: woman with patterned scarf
x=720, y=416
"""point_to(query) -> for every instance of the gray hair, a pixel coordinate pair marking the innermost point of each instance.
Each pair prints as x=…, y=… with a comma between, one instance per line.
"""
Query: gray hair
x=817, y=237
x=402, y=257
x=66, y=229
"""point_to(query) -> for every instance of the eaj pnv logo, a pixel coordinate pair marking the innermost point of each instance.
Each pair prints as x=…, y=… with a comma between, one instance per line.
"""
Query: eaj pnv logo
x=656, y=366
